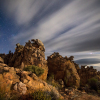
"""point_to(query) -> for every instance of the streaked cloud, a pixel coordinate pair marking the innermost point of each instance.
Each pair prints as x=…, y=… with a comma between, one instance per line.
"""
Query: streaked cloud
x=70, y=27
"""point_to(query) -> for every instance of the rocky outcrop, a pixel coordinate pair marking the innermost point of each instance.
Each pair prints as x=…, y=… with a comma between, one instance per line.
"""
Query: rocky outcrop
x=86, y=73
x=24, y=81
x=63, y=68
x=30, y=54
x=37, y=84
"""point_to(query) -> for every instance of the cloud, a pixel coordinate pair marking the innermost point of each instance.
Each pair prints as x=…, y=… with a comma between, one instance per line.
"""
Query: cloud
x=72, y=21
x=68, y=27
x=88, y=61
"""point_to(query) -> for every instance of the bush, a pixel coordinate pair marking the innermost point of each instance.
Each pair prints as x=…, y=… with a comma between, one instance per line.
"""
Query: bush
x=65, y=80
x=50, y=77
x=40, y=95
x=98, y=91
x=93, y=83
x=35, y=69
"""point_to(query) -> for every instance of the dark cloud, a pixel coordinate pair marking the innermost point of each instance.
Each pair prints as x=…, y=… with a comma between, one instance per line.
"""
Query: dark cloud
x=88, y=61
x=88, y=42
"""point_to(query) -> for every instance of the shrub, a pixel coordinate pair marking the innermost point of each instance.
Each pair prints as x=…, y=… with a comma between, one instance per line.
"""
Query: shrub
x=98, y=91
x=40, y=95
x=93, y=83
x=35, y=69
x=65, y=80
x=51, y=77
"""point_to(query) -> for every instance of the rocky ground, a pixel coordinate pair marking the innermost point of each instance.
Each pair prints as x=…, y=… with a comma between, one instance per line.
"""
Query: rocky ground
x=77, y=95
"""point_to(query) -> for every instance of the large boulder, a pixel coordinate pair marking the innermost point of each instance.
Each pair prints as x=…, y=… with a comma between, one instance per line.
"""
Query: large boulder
x=20, y=87
x=8, y=77
x=63, y=68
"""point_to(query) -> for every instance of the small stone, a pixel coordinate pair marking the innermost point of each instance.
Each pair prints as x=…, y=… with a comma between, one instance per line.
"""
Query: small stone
x=15, y=87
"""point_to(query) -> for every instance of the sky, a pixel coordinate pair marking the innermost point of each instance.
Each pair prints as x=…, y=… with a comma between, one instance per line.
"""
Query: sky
x=70, y=27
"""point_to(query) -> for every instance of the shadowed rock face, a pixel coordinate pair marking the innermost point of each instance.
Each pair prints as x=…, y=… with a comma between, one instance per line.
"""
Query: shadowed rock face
x=30, y=54
x=86, y=73
x=63, y=68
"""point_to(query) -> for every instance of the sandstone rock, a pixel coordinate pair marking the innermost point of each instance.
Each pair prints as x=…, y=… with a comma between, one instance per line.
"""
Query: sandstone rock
x=61, y=82
x=15, y=87
x=86, y=73
x=28, y=81
x=1, y=60
x=30, y=54
x=63, y=68
x=2, y=65
x=39, y=42
x=6, y=69
x=69, y=92
x=20, y=87
x=34, y=83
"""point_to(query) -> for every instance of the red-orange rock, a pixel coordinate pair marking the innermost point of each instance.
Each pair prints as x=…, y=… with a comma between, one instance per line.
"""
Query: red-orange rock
x=63, y=68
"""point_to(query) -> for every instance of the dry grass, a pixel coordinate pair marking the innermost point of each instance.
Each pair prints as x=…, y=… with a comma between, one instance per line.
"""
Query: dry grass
x=86, y=97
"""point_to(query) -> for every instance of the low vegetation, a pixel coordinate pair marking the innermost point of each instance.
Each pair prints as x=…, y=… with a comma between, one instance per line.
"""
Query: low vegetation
x=35, y=69
x=94, y=84
x=38, y=95
x=50, y=80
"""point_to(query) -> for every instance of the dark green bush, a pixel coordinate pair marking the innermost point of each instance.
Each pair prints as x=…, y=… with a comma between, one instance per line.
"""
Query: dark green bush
x=35, y=69
x=93, y=83
x=50, y=77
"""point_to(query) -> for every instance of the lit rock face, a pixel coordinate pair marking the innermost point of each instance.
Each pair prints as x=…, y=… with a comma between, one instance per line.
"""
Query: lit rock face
x=63, y=68
x=1, y=60
x=23, y=81
x=34, y=83
x=20, y=87
x=30, y=54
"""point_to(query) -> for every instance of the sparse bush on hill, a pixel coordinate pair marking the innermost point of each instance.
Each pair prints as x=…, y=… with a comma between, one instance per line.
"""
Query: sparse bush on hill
x=51, y=77
x=93, y=83
x=35, y=69
x=50, y=80
x=40, y=95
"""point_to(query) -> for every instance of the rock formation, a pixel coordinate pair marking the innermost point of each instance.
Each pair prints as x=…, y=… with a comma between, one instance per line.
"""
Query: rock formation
x=30, y=54
x=86, y=73
x=63, y=68
x=23, y=81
